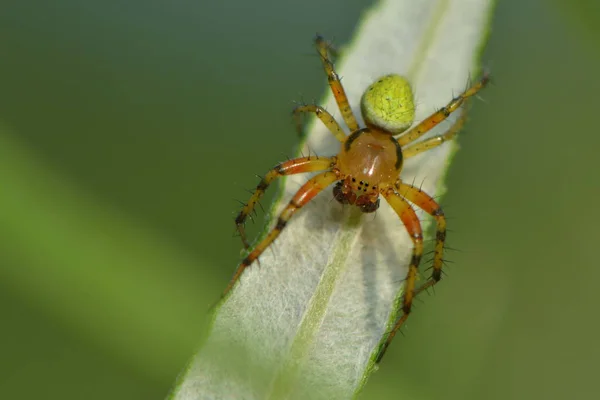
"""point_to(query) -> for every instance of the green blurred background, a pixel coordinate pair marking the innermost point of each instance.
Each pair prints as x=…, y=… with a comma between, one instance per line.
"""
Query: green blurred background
x=128, y=128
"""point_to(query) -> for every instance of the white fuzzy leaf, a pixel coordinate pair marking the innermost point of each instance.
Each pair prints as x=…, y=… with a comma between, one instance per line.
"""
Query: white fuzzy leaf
x=307, y=323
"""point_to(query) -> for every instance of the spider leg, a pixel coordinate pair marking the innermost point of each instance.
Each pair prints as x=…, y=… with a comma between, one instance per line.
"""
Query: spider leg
x=305, y=194
x=323, y=115
x=431, y=207
x=413, y=226
x=335, y=84
x=290, y=167
x=434, y=119
x=420, y=147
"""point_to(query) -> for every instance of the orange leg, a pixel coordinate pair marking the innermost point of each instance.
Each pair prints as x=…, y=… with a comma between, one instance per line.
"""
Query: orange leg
x=428, y=144
x=431, y=207
x=323, y=115
x=434, y=119
x=305, y=194
x=336, y=85
x=290, y=167
x=413, y=226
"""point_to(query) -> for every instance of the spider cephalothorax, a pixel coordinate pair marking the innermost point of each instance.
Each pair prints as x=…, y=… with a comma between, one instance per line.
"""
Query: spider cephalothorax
x=368, y=166
x=358, y=193
x=368, y=158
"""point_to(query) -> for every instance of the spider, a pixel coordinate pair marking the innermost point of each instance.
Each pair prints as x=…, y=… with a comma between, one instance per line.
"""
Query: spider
x=368, y=166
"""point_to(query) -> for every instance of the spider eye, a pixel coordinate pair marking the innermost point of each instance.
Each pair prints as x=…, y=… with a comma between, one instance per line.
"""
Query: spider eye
x=389, y=104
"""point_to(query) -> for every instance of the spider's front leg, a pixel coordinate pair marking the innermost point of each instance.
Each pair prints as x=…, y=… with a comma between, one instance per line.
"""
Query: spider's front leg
x=290, y=167
x=305, y=194
x=425, y=202
x=413, y=226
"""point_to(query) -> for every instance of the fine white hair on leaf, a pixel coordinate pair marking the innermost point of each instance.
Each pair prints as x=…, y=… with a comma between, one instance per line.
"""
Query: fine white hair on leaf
x=307, y=322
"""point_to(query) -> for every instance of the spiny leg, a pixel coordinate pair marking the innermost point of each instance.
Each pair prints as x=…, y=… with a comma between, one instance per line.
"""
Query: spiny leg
x=434, y=119
x=424, y=201
x=323, y=115
x=305, y=194
x=428, y=144
x=413, y=226
x=290, y=167
x=336, y=85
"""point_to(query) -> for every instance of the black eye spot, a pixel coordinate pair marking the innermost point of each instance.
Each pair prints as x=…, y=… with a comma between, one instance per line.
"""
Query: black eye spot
x=353, y=179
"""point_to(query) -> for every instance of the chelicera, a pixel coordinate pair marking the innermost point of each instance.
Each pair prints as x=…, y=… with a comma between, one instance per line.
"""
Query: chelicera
x=368, y=167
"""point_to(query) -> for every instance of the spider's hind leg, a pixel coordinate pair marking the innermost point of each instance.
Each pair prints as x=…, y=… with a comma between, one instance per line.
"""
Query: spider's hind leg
x=323, y=115
x=336, y=84
x=434, y=119
x=420, y=147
